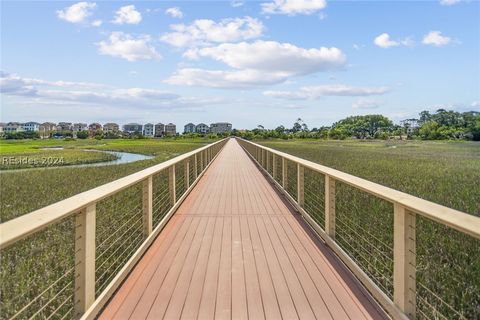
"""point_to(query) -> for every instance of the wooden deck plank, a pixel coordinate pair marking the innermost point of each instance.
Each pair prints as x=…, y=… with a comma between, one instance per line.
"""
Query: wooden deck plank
x=239, y=294
x=269, y=297
x=224, y=291
x=185, y=258
x=206, y=299
x=156, y=282
x=285, y=301
x=135, y=292
x=252, y=282
x=192, y=275
x=236, y=249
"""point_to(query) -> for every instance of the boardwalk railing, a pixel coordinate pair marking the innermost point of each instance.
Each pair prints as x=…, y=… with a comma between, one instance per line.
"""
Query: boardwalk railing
x=65, y=260
x=418, y=259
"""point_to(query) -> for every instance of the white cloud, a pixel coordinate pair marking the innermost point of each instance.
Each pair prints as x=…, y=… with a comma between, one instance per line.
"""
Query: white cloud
x=366, y=104
x=272, y=56
x=205, y=32
x=449, y=2
x=174, y=12
x=435, y=38
x=16, y=85
x=38, y=91
x=127, y=15
x=316, y=92
x=475, y=104
x=77, y=13
x=293, y=7
x=236, y=3
x=97, y=23
x=229, y=79
x=256, y=64
x=127, y=47
x=384, y=41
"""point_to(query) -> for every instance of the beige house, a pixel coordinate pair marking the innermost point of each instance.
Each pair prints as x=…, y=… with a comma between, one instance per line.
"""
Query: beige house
x=111, y=127
x=170, y=129
x=46, y=129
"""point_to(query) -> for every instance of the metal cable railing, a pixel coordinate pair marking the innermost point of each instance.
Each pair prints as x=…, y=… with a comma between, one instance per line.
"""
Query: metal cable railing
x=417, y=258
x=37, y=274
x=66, y=259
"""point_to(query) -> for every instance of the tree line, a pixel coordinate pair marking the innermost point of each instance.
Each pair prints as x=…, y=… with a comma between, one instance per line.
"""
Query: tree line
x=439, y=125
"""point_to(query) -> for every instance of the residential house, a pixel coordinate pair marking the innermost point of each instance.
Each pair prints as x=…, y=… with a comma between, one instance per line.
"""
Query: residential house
x=64, y=126
x=189, y=128
x=80, y=127
x=31, y=126
x=149, y=130
x=170, y=129
x=220, y=127
x=159, y=130
x=111, y=127
x=46, y=129
x=94, y=128
x=133, y=128
x=202, y=128
x=410, y=125
x=13, y=127
x=2, y=127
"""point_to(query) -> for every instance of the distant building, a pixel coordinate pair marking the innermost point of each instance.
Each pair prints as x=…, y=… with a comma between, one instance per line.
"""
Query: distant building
x=2, y=127
x=111, y=127
x=80, y=127
x=13, y=127
x=46, y=129
x=170, y=129
x=149, y=130
x=202, y=128
x=220, y=127
x=94, y=128
x=64, y=126
x=31, y=126
x=189, y=128
x=410, y=125
x=159, y=130
x=133, y=128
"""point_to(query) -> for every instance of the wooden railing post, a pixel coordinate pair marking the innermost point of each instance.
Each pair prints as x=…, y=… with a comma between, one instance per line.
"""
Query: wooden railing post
x=300, y=185
x=195, y=170
x=274, y=166
x=262, y=158
x=171, y=185
x=404, y=262
x=147, y=205
x=330, y=206
x=284, y=173
x=84, y=294
x=201, y=161
x=267, y=159
x=186, y=173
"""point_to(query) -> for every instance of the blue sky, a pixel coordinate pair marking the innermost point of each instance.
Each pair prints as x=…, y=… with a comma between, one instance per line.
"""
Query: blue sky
x=249, y=63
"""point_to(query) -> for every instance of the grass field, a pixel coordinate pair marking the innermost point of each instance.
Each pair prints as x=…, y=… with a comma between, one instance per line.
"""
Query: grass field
x=448, y=173
x=25, y=191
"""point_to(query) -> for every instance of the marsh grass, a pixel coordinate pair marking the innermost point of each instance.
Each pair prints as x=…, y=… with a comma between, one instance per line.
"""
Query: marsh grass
x=52, y=158
x=448, y=173
x=36, y=274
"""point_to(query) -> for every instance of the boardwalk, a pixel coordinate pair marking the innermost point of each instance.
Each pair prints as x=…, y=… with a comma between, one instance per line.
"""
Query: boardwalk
x=235, y=249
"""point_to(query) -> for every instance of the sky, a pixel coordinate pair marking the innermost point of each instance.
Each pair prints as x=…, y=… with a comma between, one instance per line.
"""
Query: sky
x=246, y=62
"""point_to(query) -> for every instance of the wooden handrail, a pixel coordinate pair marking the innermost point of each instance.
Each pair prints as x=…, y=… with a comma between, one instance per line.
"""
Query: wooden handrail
x=455, y=219
x=19, y=228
